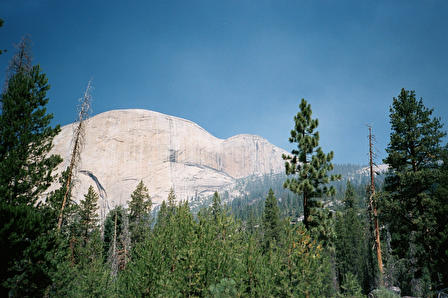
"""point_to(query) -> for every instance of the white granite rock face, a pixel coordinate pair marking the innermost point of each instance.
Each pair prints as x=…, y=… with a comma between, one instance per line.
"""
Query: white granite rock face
x=123, y=147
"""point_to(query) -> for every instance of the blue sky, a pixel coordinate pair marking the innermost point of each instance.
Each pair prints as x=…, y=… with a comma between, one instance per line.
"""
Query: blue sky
x=241, y=66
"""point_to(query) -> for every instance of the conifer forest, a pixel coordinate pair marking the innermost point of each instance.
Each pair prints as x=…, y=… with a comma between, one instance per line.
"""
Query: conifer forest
x=314, y=230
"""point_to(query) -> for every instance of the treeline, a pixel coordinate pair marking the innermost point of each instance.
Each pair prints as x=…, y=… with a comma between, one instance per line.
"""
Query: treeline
x=256, y=189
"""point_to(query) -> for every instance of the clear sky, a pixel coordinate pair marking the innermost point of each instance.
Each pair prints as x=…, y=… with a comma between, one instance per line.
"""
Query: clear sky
x=241, y=66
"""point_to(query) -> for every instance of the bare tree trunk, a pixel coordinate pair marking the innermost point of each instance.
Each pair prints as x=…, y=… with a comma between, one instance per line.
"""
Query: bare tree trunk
x=114, y=257
x=374, y=209
x=125, y=240
x=78, y=135
x=115, y=235
x=21, y=61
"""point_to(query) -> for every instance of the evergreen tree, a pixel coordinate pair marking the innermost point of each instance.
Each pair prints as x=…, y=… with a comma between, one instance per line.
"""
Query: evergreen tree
x=26, y=240
x=117, y=242
x=25, y=135
x=408, y=204
x=350, y=244
x=162, y=215
x=216, y=205
x=139, y=211
x=140, y=203
x=81, y=272
x=439, y=237
x=171, y=205
x=171, y=199
x=271, y=221
x=309, y=166
x=88, y=212
x=25, y=173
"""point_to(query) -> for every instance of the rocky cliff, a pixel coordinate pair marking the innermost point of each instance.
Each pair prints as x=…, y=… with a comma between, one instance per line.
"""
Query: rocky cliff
x=123, y=147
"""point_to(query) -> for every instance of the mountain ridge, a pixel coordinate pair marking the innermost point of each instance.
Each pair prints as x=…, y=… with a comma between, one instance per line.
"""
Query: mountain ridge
x=125, y=146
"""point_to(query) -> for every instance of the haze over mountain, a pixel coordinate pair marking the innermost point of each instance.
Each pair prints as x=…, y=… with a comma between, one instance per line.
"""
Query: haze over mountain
x=123, y=147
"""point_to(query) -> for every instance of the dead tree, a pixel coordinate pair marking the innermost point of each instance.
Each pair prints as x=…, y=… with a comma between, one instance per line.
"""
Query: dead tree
x=78, y=143
x=113, y=258
x=125, y=240
x=118, y=255
x=21, y=61
x=373, y=208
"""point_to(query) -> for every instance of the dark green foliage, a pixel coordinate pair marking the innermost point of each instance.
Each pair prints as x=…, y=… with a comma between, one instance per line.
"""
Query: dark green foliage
x=80, y=271
x=351, y=242
x=271, y=221
x=415, y=140
x=350, y=286
x=171, y=202
x=162, y=216
x=309, y=167
x=109, y=227
x=25, y=139
x=88, y=212
x=25, y=238
x=410, y=205
x=140, y=203
x=54, y=202
x=439, y=237
x=216, y=206
x=213, y=255
x=27, y=228
x=225, y=288
x=139, y=213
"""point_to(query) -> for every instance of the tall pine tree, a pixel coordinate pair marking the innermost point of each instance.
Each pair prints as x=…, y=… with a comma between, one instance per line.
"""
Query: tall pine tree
x=25, y=173
x=408, y=203
x=25, y=134
x=308, y=167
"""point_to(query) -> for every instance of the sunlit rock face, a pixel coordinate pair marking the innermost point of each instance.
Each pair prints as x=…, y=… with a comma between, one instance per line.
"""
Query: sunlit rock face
x=123, y=147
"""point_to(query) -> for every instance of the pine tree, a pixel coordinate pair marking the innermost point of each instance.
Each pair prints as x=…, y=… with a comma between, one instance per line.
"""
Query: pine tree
x=171, y=206
x=139, y=211
x=216, y=206
x=439, y=239
x=25, y=173
x=88, y=208
x=271, y=221
x=408, y=204
x=140, y=203
x=309, y=166
x=162, y=215
x=351, y=246
x=416, y=137
x=25, y=135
